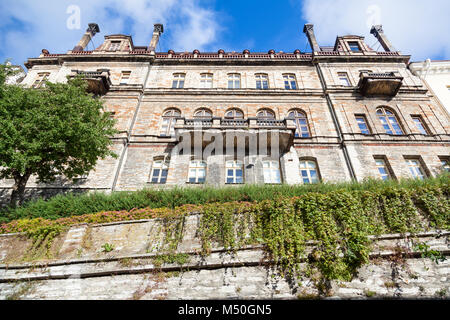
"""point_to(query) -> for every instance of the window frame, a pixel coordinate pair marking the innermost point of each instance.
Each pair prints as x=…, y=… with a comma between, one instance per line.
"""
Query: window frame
x=344, y=76
x=267, y=111
x=206, y=78
x=235, y=167
x=178, y=80
x=365, y=122
x=271, y=171
x=387, y=115
x=197, y=167
x=261, y=78
x=290, y=81
x=163, y=166
x=423, y=128
x=115, y=45
x=445, y=163
x=234, y=111
x=414, y=173
x=172, y=120
x=298, y=116
x=387, y=175
x=351, y=44
x=234, y=78
x=308, y=170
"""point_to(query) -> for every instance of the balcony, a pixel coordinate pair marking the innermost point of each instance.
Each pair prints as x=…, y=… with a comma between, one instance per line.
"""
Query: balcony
x=98, y=81
x=380, y=84
x=240, y=133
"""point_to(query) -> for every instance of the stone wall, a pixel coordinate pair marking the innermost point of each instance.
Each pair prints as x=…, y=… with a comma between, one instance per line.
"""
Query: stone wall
x=82, y=270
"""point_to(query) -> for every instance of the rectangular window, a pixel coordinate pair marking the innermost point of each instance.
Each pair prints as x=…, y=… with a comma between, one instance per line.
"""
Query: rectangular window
x=343, y=79
x=308, y=172
x=420, y=125
x=178, y=81
x=262, y=81
x=234, y=81
x=272, y=173
x=445, y=163
x=290, y=82
x=382, y=168
x=354, y=46
x=206, y=81
x=160, y=171
x=235, y=172
x=197, y=171
x=415, y=168
x=362, y=124
x=115, y=45
x=40, y=80
x=125, y=77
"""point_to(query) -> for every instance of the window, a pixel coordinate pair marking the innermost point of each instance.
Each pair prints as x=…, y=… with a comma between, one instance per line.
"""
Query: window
x=272, y=172
x=178, y=81
x=235, y=172
x=265, y=114
x=234, y=81
x=308, y=172
x=415, y=168
x=343, y=79
x=420, y=125
x=301, y=123
x=160, y=170
x=125, y=77
x=354, y=46
x=290, y=83
x=389, y=121
x=197, y=171
x=382, y=168
x=362, y=124
x=234, y=114
x=445, y=163
x=203, y=113
x=206, y=80
x=262, y=81
x=169, y=120
x=115, y=45
x=40, y=81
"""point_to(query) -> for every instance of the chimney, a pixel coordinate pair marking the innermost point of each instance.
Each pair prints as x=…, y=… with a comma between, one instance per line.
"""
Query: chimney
x=309, y=30
x=158, y=29
x=377, y=31
x=92, y=30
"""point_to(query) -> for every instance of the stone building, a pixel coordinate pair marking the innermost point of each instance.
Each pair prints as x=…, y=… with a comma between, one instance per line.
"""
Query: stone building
x=337, y=113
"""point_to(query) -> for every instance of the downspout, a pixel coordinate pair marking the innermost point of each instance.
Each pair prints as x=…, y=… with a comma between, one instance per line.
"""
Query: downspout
x=133, y=122
x=336, y=124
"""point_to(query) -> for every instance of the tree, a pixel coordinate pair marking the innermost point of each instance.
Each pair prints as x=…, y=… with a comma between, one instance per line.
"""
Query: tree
x=57, y=130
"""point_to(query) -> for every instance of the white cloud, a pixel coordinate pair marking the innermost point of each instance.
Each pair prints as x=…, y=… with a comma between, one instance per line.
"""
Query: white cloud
x=27, y=26
x=415, y=27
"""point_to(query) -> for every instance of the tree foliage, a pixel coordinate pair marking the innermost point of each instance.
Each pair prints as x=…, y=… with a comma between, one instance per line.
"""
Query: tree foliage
x=57, y=130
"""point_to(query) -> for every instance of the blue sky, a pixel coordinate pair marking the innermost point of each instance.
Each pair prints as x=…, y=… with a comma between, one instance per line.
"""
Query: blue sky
x=415, y=27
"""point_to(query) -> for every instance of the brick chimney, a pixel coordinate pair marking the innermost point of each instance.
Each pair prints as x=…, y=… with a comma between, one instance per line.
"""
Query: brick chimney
x=309, y=30
x=158, y=29
x=378, y=32
x=92, y=30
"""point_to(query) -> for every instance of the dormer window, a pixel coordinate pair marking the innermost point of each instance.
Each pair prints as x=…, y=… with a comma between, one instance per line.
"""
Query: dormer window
x=354, y=46
x=115, y=45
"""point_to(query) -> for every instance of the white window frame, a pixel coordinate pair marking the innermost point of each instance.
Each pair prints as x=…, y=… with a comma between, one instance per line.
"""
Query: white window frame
x=415, y=168
x=178, y=80
x=262, y=81
x=387, y=118
x=420, y=125
x=344, y=79
x=290, y=81
x=234, y=81
x=168, y=121
x=380, y=163
x=115, y=45
x=234, y=166
x=309, y=166
x=197, y=172
x=364, y=122
x=206, y=80
x=272, y=171
x=302, y=128
x=163, y=166
x=234, y=114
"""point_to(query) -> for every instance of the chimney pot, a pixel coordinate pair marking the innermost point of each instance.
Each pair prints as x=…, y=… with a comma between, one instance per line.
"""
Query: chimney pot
x=157, y=31
x=378, y=32
x=308, y=29
x=91, y=31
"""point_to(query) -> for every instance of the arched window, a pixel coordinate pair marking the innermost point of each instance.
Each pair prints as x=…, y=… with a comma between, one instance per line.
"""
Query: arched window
x=203, y=114
x=272, y=172
x=234, y=114
x=389, y=121
x=235, y=172
x=160, y=170
x=301, y=122
x=197, y=171
x=309, y=171
x=169, y=120
x=265, y=114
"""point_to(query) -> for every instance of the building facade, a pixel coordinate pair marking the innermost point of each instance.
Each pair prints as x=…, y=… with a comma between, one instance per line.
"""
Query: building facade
x=335, y=114
x=436, y=76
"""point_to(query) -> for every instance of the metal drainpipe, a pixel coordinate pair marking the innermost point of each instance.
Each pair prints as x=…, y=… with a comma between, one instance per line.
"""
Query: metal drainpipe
x=336, y=124
x=122, y=156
